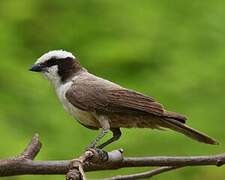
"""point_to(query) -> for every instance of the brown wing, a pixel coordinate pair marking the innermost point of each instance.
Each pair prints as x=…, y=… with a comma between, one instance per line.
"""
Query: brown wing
x=133, y=101
x=98, y=99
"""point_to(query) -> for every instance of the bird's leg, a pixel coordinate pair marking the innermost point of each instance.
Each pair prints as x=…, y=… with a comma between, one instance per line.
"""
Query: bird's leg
x=103, y=120
x=97, y=139
x=116, y=136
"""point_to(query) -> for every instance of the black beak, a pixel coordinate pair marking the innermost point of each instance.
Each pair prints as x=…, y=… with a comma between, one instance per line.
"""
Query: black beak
x=36, y=68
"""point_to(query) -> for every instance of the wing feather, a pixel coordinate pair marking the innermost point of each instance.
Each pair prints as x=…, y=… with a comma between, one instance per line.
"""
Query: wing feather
x=98, y=95
x=98, y=99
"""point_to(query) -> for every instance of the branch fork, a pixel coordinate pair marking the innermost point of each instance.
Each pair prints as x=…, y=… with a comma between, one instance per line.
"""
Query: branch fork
x=76, y=165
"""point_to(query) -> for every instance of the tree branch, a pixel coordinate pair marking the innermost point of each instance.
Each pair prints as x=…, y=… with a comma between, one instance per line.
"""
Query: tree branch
x=147, y=174
x=94, y=160
x=32, y=149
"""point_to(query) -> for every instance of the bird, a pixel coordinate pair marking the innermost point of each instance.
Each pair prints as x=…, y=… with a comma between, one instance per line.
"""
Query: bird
x=97, y=103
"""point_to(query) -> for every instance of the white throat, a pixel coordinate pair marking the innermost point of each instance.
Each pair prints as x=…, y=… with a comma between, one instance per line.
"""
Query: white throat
x=53, y=77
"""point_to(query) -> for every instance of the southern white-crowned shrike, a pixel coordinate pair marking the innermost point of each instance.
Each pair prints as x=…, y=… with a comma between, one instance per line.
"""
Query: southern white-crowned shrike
x=98, y=103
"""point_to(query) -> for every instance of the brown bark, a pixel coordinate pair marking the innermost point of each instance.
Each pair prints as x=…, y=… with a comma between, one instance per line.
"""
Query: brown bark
x=94, y=160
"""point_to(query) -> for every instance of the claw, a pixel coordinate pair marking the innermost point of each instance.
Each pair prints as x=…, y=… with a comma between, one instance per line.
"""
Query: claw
x=99, y=155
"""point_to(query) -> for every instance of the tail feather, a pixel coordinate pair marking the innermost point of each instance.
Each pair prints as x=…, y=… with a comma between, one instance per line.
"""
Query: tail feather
x=173, y=115
x=188, y=131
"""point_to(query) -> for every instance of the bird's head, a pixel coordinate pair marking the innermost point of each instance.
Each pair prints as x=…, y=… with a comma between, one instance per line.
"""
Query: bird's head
x=58, y=66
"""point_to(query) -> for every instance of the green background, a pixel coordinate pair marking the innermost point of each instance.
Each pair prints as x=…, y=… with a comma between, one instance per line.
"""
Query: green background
x=169, y=49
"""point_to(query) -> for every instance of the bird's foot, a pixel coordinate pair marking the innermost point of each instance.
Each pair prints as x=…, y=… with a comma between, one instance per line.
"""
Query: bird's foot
x=98, y=155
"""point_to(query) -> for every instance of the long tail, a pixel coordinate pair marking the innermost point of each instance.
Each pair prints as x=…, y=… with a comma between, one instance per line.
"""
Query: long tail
x=188, y=131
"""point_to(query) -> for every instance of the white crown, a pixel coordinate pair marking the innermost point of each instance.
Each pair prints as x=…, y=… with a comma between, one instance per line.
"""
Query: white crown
x=58, y=54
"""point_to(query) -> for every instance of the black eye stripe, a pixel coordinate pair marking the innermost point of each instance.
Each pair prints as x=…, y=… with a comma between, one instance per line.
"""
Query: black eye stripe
x=66, y=67
x=52, y=62
x=55, y=61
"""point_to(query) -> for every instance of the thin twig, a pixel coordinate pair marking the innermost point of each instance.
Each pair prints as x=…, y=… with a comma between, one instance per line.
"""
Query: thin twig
x=147, y=174
x=32, y=149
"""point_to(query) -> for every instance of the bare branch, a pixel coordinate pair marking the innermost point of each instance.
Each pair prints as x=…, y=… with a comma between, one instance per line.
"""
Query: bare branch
x=147, y=174
x=217, y=160
x=94, y=160
x=32, y=149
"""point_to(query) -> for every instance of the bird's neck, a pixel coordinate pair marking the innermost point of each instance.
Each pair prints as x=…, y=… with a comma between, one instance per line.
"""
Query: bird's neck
x=68, y=70
x=63, y=73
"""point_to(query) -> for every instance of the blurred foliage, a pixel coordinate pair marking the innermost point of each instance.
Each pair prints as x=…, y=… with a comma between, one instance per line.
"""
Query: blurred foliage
x=172, y=50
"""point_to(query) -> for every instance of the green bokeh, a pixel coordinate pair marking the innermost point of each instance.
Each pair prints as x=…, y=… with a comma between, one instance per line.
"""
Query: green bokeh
x=172, y=50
